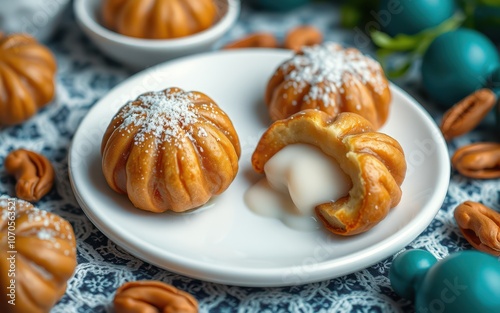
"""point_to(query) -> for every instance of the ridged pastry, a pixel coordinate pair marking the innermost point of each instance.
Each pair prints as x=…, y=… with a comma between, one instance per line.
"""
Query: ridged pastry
x=27, y=72
x=170, y=150
x=158, y=19
x=374, y=161
x=44, y=260
x=331, y=79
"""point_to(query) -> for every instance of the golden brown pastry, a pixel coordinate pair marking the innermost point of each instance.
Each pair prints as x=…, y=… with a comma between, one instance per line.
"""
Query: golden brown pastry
x=27, y=72
x=374, y=161
x=331, y=79
x=153, y=296
x=44, y=257
x=158, y=19
x=170, y=150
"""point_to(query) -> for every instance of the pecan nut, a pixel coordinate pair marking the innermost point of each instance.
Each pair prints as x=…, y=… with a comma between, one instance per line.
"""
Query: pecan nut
x=467, y=114
x=303, y=36
x=256, y=40
x=153, y=296
x=33, y=172
x=478, y=160
x=480, y=225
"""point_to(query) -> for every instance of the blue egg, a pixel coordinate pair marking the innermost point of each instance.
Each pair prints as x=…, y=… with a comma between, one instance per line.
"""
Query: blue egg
x=463, y=282
x=456, y=64
x=277, y=5
x=466, y=281
x=412, y=16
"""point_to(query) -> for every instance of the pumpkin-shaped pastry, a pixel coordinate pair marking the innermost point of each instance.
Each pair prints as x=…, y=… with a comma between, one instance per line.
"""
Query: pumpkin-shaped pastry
x=331, y=79
x=158, y=19
x=37, y=257
x=27, y=71
x=170, y=150
x=374, y=162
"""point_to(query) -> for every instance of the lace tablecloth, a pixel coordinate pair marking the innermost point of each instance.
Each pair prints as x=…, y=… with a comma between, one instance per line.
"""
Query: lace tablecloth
x=85, y=75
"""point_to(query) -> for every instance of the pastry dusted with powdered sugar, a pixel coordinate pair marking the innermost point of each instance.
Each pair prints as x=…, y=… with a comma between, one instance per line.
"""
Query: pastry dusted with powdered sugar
x=37, y=257
x=331, y=79
x=170, y=150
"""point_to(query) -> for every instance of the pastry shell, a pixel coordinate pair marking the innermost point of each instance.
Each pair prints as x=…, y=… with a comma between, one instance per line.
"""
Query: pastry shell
x=173, y=160
x=332, y=79
x=374, y=161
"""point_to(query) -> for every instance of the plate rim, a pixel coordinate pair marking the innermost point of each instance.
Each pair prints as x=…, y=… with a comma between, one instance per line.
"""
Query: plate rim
x=273, y=277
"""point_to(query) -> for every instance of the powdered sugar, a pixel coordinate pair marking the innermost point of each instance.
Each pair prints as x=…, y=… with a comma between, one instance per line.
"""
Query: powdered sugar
x=327, y=68
x=163, y=115
x=45, y=234
x=34, y=222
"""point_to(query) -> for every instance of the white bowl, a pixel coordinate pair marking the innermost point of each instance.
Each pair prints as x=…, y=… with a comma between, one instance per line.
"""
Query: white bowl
x=141, y=53
x=38, y=18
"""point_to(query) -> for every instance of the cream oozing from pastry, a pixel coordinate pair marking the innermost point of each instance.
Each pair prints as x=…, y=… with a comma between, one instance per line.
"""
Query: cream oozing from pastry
x=298, y=178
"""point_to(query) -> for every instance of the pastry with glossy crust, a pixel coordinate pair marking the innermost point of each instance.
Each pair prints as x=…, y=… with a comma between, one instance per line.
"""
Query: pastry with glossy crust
x=45, y=256
x=331, y=79
x=27, y=72
x=375, y=162
x=158, y=19
x=170, y=150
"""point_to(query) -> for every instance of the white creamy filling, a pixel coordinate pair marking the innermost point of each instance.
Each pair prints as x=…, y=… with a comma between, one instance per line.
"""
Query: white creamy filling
x=298, y=178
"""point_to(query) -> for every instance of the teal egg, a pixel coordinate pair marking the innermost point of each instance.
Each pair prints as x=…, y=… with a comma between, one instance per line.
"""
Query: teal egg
x=467, y=281
x=407, y=270
x=456, y=64
x=412, y=16
x=277, y=5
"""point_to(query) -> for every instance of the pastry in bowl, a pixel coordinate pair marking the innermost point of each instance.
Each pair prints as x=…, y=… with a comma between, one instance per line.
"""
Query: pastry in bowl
x=158, y=19
x=37, y=257
x=373, y=161
x=27, y=83
x=331, y=79
x=170, y=150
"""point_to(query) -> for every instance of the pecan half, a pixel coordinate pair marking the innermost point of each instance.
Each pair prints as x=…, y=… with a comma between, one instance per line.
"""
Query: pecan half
x=256, y=40
x=478, y=160
x=467, y=114
x=153, y=296
x=303, y=36
x=34, y=174
x=480, y=225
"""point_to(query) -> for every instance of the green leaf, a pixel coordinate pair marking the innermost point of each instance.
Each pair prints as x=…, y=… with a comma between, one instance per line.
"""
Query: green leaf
x=398, y=43
x=490, y=3
x=413, y=46
x=450, y=24
x=403, y=42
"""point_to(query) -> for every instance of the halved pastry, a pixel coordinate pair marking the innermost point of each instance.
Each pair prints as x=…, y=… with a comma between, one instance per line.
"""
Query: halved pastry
x=170, y=150
x=374, y=162
x=332, y=79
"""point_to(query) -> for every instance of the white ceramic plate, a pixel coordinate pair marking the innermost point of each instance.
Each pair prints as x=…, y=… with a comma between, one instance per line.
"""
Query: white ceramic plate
x=226, y=242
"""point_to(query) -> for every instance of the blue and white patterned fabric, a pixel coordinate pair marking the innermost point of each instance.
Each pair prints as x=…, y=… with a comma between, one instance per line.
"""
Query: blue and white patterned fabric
x=85, y=75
